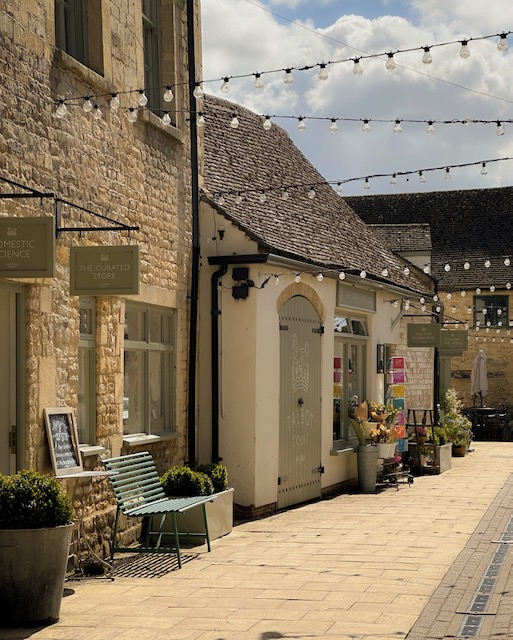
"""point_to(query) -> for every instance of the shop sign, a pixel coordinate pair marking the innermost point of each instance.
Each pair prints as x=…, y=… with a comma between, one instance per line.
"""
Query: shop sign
x=27, y=247
x=423, y=335
x=355, y=298
x=104, y=270
x=454, y=342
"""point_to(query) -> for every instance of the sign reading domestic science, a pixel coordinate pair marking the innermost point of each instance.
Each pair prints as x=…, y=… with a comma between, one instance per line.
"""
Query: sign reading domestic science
x=453, y=342
x=104, y=270
x=27, y=247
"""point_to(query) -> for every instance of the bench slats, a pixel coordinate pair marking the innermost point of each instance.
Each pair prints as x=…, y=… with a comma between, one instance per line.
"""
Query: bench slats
x=139, y=493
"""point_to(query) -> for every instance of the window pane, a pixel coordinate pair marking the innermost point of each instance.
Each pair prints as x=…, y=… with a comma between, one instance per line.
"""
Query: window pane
x=86, y=322
x=491, y=311
x=84, y=413
x=359, y=327
x=160, y=373
x=134, y=406
x=160, y=328
x=342, y=325
x=135, y=326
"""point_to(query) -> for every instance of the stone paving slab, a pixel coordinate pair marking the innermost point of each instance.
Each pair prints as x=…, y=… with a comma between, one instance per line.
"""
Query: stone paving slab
x=385, y=566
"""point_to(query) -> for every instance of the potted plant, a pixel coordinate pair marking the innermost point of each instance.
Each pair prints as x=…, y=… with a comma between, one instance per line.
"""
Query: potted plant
x=456, y=425
x=205, y=480
x=35, y=534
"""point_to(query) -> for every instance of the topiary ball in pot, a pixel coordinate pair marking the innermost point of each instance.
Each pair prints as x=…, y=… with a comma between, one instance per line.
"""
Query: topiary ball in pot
x=184, y=481
x=30, y=500
x=218, y=473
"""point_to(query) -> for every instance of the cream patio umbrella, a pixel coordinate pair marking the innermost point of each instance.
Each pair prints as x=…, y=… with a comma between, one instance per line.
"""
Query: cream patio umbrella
x=479, y=377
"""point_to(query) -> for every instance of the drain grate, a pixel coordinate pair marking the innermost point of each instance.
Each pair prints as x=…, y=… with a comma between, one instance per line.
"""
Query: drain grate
x=472, y=623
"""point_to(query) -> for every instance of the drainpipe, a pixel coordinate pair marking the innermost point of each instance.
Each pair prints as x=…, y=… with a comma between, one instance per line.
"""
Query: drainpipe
x=216, y=312
x=223, y=262
x=193, y=328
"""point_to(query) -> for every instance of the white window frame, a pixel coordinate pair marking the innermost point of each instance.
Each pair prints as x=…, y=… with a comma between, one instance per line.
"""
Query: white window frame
x=145, y=347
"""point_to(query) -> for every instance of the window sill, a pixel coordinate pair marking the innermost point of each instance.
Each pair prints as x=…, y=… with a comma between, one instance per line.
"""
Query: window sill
x=91, y=450
x=147, y=116
x=341, y=447
x=135, y=439
x=89, y=76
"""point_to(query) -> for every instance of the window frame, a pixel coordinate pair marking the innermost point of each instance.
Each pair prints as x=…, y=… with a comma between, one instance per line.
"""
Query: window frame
x=146, y=347
x=87, y=347
x=492, y=305
x=79, y=31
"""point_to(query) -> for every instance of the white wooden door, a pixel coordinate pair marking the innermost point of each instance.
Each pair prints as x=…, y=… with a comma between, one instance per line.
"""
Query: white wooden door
x=300, y=403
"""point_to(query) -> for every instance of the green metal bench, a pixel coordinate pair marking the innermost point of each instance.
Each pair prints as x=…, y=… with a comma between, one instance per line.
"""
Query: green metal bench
x=139, y=494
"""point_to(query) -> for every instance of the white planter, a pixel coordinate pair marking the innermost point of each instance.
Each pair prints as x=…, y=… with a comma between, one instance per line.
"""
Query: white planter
x=386, y=449
x=219, y=517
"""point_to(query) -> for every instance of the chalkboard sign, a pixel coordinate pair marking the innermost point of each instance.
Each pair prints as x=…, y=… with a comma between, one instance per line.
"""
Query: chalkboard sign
x=63, y=440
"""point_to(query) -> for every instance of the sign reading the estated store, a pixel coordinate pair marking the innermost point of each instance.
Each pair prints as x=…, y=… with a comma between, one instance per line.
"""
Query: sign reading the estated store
x=104, y=270
x=27, y=247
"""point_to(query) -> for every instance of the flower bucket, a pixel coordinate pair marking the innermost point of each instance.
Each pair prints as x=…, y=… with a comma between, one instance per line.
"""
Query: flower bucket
x=367, y=468
x=386, y=449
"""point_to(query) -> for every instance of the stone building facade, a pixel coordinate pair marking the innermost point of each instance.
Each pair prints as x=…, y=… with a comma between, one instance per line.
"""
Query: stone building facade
x=124, y=183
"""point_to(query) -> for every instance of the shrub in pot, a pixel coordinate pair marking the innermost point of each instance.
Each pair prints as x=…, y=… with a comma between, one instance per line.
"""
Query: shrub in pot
x=184, y=481
x=35, y=533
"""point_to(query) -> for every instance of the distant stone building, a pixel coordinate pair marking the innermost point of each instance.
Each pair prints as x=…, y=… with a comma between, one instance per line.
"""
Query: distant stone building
x=471, y=260
x=89, y=141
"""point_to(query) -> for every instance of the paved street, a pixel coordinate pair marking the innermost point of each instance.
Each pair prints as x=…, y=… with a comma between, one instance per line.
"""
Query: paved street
x=410, y=563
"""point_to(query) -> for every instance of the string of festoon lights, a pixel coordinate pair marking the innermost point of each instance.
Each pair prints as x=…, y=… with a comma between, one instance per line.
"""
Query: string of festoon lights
x=308, y=188
x=432, y=307
x=94, y=103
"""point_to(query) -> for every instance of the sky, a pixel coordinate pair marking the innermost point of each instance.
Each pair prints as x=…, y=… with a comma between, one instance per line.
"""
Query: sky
x=244, y=37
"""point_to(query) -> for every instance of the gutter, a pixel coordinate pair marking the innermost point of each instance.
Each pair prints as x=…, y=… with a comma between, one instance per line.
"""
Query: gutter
x=215, y=311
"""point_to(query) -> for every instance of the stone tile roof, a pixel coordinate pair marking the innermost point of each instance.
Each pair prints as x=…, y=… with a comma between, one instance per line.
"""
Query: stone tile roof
x=404, y=237
x=323, y=231
x=468, y=225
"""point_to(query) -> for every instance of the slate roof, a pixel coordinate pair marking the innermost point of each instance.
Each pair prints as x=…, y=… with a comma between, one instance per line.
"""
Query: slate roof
x=323, y=232
x=470, y=225
x=404, y=237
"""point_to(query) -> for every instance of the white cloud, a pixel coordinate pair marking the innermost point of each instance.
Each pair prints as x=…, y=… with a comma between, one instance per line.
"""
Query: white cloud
x=241, y=38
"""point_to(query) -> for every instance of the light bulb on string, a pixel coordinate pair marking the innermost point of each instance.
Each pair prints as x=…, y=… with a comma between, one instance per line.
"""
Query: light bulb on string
x=61, y=110
x=198, y=91
x=447, y=267
x=87, y=105
x=492, y=288
x=259, y=83
x=311, y=194
x=200, y=120
x=366, y=184
x=114, y=101
x=323, y=73
x=395, y=304
x=333, y=125
x=435, y=298
x=285, y=195
x=466, y=266
x=97, y=114
x=426, y=269
x=142, y=100
x=406, y=305
x=267, y=124
x=467, y=121
x=132, y=114
x=463, y=293
x=447, y=174
x=166, y=118
x=507, y=262
x=366, y=126
x=168, y=94
x=225, y=87
x=503, y=43
x=221, y=200
x=449, y=296
x=500, y=129
x=262, y=197
x=422, y=300
x=301, y=125
x=478, y=291
x=297, y=279
x=484, y=170
x=276, y=280
x=487, y=263
x=508, y=285
x=453, y=309
x=397, y=126
x=339, y=188
x=341, y=276
x=320, y=277
x=406, y=271
x=390, y=63
x=234, y=123
x=393, y=179
x=430, y=129
x=363, y=273
x=357, y=67
x=422, y=177
x=384, y=273
x=464, y=50
x=469, y=310
x=288, y=77
x=427, y=58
